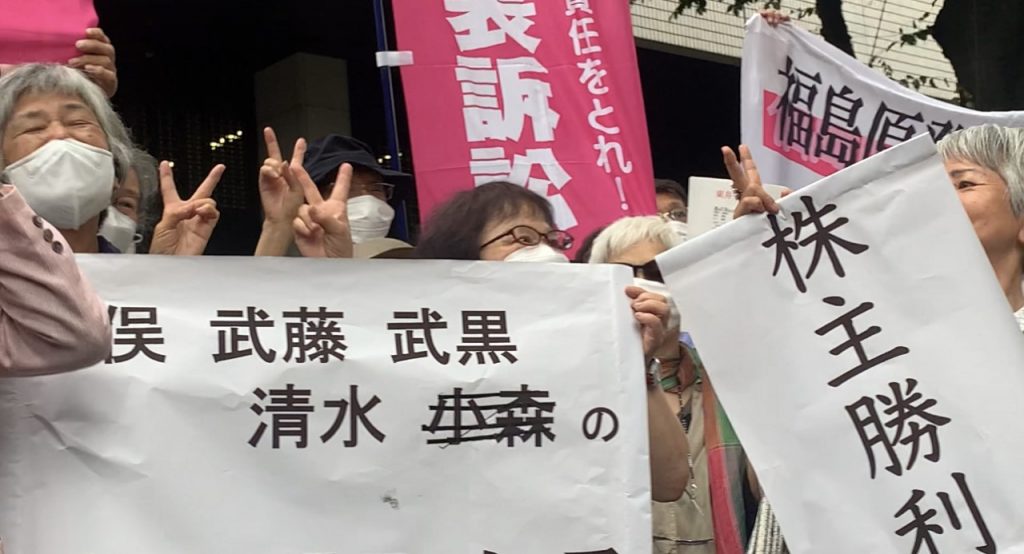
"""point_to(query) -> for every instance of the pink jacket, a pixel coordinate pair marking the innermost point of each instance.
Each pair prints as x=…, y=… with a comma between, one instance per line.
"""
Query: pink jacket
x=50, y=318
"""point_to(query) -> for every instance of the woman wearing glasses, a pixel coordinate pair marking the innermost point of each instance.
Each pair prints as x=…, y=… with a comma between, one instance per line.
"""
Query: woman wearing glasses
x=505, y=222
x=712, y=516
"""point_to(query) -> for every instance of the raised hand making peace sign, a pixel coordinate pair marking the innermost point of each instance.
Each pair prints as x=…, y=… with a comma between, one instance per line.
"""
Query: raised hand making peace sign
x=186, y=225
x=746, y=183
x=280, y=198
x=321, y=228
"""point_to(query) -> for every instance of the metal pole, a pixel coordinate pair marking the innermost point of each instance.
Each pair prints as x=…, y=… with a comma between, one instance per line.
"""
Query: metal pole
x=401, y=224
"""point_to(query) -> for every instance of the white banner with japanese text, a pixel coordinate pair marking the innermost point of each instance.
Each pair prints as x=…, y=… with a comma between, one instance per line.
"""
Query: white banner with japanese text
x=868, y=360
x=809, y=110
x=296, y=406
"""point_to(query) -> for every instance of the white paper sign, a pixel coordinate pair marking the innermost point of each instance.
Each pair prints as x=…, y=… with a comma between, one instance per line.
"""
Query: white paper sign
x=477, y=442
x=830, y=411
x=712, y=203
x=809, y=110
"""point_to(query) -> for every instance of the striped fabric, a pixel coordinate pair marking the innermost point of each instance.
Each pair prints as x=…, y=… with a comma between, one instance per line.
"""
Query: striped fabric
x=726, y=471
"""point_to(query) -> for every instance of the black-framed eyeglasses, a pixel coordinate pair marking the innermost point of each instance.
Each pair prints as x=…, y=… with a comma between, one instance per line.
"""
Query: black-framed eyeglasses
x=528, y=236
x=387, y=190
x=675, y=215
x=649, y=271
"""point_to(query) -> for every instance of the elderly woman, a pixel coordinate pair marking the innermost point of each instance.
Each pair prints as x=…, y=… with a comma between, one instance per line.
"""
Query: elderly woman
x=693, y=524
x=130, y=219
x=505, y=222
x=986, y=165
x=64, y=149
x=50, y=319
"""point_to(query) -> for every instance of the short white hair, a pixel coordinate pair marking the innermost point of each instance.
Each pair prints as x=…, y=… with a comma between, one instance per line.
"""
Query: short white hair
x=996, y=148
x=51, y=78
x=627, y=233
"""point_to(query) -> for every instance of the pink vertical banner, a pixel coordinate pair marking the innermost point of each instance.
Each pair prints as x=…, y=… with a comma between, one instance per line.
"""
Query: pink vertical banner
x=43, y=30
x=542, y=93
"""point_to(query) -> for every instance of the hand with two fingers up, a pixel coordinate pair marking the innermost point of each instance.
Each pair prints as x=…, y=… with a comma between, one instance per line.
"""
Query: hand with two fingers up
x=186, y=225
x=321, y=227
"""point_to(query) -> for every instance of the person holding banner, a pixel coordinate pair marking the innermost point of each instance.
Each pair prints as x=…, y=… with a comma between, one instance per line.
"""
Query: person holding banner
x=97, y=60
x=65, y=149
x=712, y=516
x=502, y=221
x=50, y=318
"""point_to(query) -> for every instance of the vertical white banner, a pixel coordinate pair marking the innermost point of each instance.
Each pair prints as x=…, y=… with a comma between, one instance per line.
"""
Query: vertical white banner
x=868, y=360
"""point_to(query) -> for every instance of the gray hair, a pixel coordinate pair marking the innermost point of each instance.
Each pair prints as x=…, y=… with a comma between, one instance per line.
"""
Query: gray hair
x=51, y=78
x=996, y=148
x=627, y=233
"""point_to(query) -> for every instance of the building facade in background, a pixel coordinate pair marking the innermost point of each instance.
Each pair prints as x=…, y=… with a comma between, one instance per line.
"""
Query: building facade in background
x=874, y=26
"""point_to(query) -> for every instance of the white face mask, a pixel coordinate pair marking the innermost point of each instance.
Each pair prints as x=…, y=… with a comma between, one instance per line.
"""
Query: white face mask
x=120, y=230
x=674, y=319
x=66, y=182
x=369, y=218
x=537, y=253
x=680, y=228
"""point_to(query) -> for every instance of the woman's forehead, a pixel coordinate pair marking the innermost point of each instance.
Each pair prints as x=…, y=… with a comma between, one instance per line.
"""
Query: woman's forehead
x=526, y=216
x=965, y=168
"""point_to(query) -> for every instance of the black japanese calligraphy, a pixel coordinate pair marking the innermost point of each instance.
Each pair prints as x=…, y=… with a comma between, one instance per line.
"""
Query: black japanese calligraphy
x=593, y=424
x=289, y=409
x=938, y=129
x=241, y=328
x=890, y=127
x=525, y=417
x=924, y=529
x=840, y=138
x=855, y=340
x=314, y=335
x=417, y=329
x=358, y=413
x=795, y=106
x=905, y=422
x=823, y=237
x=522, y=414
x=138, y=329
x=485, y=335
